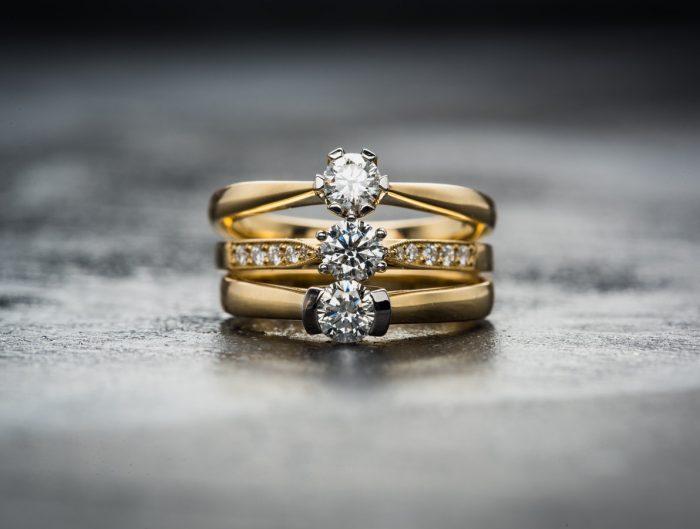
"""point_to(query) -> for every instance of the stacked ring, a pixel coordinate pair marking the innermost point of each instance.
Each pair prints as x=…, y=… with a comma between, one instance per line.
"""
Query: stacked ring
x=353, y=280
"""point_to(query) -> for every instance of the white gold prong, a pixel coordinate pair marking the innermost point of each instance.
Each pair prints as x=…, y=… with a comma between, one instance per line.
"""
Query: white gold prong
x=321, y=235
x=369, y=155
x=384, y=182
x=351, y=183
x=323, y=268
x=335, y=154
x=381, y=266
x=318, y=182
x=381, y=233
x=366, y=209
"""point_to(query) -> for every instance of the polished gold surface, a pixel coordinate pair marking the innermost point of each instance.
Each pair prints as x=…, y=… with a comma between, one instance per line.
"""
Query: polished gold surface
x=464, y=214
x=402, y=253
x=392, y=279
x=445, y=297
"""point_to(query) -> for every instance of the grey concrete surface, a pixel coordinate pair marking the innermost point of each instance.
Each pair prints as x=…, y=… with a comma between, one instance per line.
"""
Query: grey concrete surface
x=128, y=399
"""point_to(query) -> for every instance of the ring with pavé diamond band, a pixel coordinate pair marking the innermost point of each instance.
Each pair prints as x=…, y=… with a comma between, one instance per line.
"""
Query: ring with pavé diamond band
x=332, y=255
x=279, y=266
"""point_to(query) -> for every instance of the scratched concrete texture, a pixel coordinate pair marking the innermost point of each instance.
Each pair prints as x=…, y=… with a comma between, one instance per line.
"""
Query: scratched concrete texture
x=129, y=399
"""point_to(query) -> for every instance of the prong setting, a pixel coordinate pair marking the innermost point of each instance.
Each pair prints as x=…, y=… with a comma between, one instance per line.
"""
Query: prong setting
x=321, y=235
x=351, y=183
x=335, y=154
x=366, y=209
x=369, y=155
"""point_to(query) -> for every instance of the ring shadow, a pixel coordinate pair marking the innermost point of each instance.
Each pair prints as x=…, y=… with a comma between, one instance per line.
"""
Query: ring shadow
x=407, y=350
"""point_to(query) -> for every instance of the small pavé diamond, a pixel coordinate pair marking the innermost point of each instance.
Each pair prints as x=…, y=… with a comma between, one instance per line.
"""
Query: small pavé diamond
x=241, y=255
x=345, y=311
x=464, y=254
x=257, y=255
x=411, y=253
x=273, y=255
x=448, y=255
x=291, y=254
x=430, y=254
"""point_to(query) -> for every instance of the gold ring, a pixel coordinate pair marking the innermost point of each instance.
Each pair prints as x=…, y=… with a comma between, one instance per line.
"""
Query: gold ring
x=374, y=309
x=353, y=280
x=304, y=253
x=242, y=210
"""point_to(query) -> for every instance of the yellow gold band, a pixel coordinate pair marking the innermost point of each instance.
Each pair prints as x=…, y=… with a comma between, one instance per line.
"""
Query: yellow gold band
x=446, y=296
x=466, y=214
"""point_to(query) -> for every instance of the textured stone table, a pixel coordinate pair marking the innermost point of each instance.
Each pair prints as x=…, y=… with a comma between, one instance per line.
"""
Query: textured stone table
x=128, y=399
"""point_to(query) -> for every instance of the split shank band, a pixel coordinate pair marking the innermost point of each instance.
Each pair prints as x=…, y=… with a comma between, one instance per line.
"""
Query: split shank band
x=347, y=279
x=464, y=214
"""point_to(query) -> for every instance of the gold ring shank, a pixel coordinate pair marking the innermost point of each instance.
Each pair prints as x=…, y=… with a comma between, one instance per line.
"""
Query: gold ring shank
x=465, y=214
x=303, y=253
x=455, y=297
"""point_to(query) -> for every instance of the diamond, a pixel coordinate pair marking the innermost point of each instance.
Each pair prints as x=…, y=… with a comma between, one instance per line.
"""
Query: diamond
x=464, y=254
x=430, y=254
x=273, y=255
x=291, y=254
x=345, y=311
x=411, y=252
x=241, y=255
x=257, y=255
x=448, y=255
x=352, y=184
x=352, y=250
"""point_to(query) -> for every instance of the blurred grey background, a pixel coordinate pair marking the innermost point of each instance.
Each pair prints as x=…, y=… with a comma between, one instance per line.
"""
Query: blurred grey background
x=128, y=399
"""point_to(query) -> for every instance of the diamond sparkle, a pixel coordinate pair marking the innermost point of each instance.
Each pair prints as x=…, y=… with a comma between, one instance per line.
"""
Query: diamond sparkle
x=352, y=250
x=345, y=311
x=352, y=185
